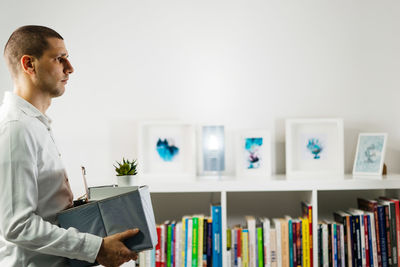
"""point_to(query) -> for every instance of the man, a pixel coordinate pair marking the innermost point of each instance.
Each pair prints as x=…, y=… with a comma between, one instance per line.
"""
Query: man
x=33, y=183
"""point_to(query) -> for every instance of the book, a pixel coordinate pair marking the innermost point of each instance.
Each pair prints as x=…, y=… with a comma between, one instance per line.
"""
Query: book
x=305, y=242
x=391, y=224
x=251, y=226
x=217, y=236
x=200, y=238
x=344, y=218
x=205, y=243
x=278, y=240
x=189, y=240
x=299, y=243
x=178, y=244
x=209, y=241
x=132, y=209
x=325, y=245
x=358, y=233
x=307, y=212
x=195, y=242
x=372, y=206
x=245, y=248
x=158, y=247
x=372, y=236
x=342, y=247
x=285, y=242
x=267, y=246
x=290, y=233
x=397, y=225
x=164, y=244
x=260, y=247
x=274, y=260
x=169, y=244
x=383, y=235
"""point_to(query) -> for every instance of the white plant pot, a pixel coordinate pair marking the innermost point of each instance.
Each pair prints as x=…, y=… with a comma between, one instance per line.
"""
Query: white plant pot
x=127, y=180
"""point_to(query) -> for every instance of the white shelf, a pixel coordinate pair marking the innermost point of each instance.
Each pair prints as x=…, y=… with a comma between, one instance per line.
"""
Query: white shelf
x=275, y=183
x=273, y=196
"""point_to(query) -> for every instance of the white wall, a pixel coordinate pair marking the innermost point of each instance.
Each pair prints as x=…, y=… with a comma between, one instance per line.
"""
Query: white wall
x=246, y=64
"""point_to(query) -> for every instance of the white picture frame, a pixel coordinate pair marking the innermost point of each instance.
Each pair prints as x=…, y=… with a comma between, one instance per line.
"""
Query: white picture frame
x=167, y=149
x=370, y=154
x=253, y=154
x=314, y=148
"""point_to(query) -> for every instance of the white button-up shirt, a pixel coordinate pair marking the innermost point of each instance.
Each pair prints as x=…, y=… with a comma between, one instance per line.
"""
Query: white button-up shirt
x=33, y=189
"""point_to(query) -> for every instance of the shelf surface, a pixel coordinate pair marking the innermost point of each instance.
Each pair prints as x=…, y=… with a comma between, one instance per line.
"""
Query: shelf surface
x=274, y=183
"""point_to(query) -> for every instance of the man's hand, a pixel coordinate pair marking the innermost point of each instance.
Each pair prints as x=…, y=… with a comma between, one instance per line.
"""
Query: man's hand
x=113, y=251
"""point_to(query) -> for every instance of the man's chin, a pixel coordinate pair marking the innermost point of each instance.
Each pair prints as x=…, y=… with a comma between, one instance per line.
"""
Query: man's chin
x=57, y=93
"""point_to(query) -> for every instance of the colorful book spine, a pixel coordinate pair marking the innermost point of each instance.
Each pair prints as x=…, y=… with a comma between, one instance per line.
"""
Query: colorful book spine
x=158, y=247
x=189, y=242
x=305, y=242
x=290, y=232
x=382, y=235
x=209, y=242
x=163, y=244
x=178, y=245
x=201, y=241
x=169, y=243
x=239, y=247
x=267, y=246
x=294, y=238
x=299, y=246
x=195, y=243
x=372, y=206
x=245, y=248
x=184, y=241
x=388, y=235
x=366, y=238
x=217, y=236
x=260, y=247
x=205, y=231
x=173, y=244
x=274, y=260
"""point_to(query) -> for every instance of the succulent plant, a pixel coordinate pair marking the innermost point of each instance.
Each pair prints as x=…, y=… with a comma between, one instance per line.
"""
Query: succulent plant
x=126, y=167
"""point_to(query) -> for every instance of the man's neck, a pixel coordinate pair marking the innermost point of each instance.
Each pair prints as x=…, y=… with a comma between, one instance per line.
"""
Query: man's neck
x=35, y=97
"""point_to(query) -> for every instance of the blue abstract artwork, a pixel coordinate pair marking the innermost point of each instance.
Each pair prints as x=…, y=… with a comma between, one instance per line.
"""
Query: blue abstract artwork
x=166, y=150
x=253, y=152
x=315, y=147
x=369, y=153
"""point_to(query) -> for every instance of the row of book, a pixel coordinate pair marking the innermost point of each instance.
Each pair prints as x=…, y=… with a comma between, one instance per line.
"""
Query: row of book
x=280, y=242
x=366, y=236
x=194, y=241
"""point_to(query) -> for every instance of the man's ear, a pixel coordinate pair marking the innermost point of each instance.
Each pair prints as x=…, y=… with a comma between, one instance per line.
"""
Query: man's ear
x=28, y=64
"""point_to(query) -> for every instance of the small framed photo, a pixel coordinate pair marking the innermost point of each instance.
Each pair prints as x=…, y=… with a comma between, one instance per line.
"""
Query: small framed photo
x=166, y=149
x=314, y=147
x=370, y=154
x=253, y=154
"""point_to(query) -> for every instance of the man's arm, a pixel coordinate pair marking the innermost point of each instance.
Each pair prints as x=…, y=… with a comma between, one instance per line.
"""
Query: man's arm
x=19, y=223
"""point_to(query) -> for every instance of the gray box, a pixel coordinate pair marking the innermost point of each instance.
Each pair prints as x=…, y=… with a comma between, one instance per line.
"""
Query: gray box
x=115, y=214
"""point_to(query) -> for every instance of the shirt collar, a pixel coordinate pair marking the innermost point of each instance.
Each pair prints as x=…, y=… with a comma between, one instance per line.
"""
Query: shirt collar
x=12, y=99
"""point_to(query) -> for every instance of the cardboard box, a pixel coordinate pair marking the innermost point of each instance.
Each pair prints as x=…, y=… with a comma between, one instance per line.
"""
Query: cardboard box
x=115, y=214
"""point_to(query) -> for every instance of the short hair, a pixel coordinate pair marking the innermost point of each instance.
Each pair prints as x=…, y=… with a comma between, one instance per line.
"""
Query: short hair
x=27, y=40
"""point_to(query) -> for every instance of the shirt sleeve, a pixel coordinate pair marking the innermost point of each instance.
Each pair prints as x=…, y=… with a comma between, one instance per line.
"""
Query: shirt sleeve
x=19, y=224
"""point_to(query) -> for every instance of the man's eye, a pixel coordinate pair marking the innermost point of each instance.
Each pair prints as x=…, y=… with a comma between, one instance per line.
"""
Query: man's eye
x=60, y=59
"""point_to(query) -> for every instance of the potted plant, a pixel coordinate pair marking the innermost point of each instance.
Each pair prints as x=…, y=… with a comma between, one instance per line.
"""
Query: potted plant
x=126, y=172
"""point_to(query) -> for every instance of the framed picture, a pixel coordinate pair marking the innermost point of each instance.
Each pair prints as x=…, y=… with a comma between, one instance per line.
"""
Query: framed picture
x=370, y=154
x=314, y=147
x=166, y=149
x=253, y=154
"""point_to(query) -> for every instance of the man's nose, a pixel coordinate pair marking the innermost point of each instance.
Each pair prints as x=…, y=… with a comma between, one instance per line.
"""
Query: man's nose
x=68, y=67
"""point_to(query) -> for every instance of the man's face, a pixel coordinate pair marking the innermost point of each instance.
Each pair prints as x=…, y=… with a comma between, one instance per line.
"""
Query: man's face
x=53, y=68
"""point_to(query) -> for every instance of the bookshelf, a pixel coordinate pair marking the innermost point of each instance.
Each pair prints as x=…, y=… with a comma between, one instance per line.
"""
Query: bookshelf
x=271, y=197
